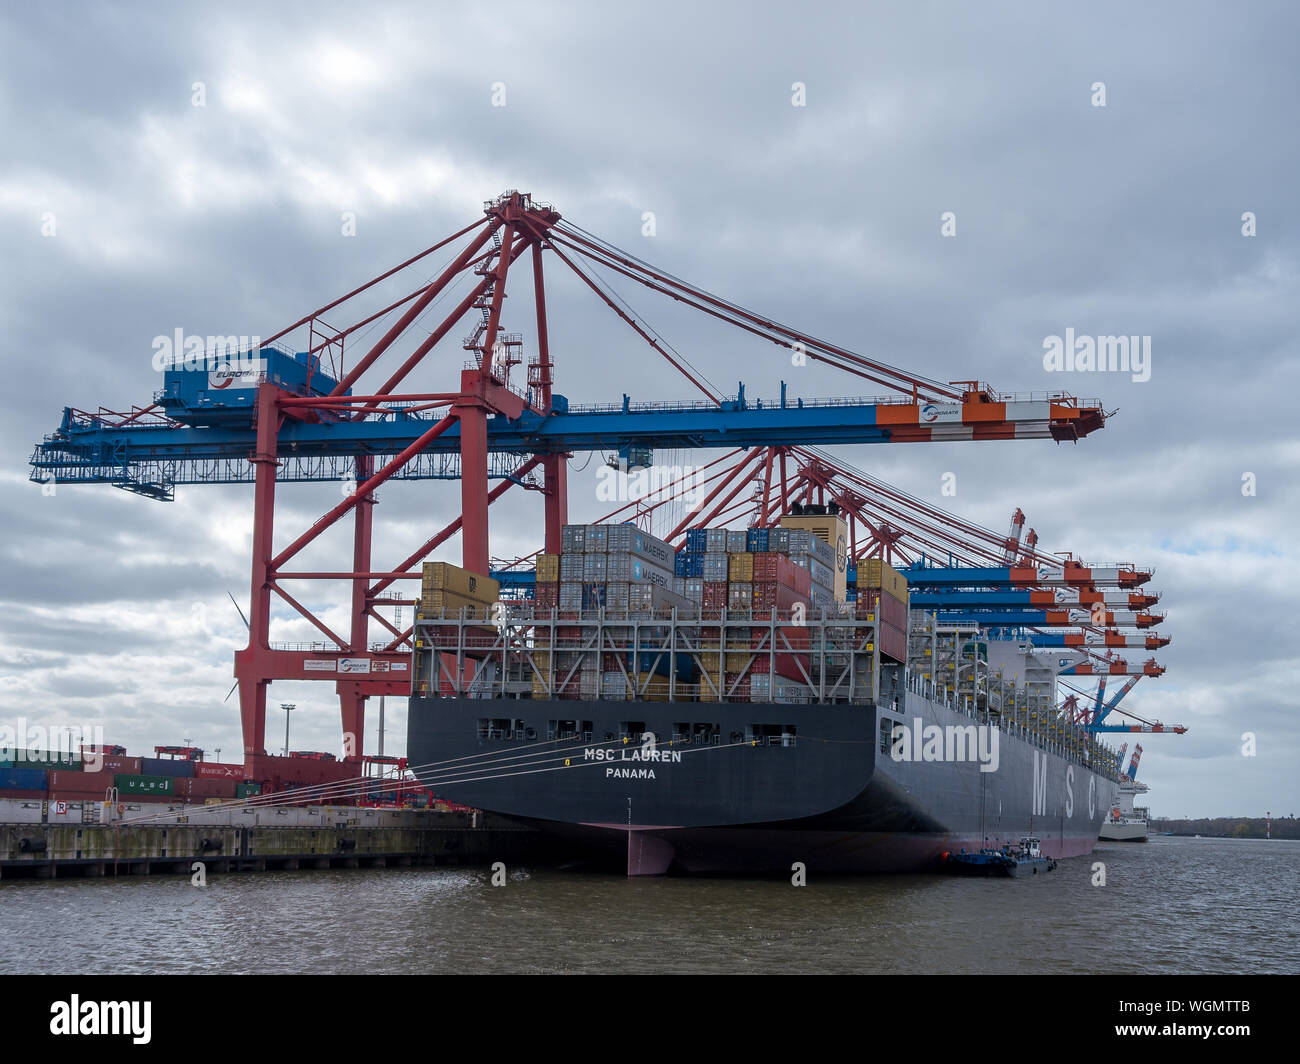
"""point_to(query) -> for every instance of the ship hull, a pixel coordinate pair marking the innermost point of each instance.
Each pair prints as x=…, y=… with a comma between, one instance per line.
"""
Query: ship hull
x=831, y=796
x=1112, y=831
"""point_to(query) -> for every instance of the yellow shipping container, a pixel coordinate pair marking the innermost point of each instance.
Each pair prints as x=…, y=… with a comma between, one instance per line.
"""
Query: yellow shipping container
x=435, y=603
x=874, y=573
x=443, y=576
x=711, y=662
x=740, y=568
x=548, y=568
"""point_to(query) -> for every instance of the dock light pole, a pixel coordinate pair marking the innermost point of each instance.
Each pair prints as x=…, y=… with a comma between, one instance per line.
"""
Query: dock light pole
x=288, y=708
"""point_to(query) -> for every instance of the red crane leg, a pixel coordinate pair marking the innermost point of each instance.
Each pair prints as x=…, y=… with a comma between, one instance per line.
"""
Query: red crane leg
x=555, y=469
x=352, y=703
x=473, y=487
x=252, y=664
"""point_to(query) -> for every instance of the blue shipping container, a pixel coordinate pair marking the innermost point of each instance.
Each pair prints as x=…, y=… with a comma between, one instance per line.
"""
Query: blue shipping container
x=165, y=766
x=756, y=540
x=697, y=539
x=22, y=779
x=679, y=565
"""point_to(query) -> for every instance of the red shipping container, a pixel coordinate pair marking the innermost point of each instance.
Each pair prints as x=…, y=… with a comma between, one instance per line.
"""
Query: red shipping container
x=771, y=595
x=82, y=782
x=893, y=642
x=215, y=770
x=546, y=596
x=198, y=789
x=734, y=688
x=6, y=792
x=127, y=766
x=886, y=608
x=715, y=596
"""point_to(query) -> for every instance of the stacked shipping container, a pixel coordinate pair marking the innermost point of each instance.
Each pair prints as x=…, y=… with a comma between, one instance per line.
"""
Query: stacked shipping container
x=882, y=597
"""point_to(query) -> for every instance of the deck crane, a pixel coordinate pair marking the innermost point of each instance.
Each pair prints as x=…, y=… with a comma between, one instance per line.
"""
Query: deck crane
x=329, y=412
x=1014, y=535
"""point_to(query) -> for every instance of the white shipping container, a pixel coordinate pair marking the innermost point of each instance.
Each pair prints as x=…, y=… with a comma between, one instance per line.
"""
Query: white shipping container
x=597, y=539
x=715, y=541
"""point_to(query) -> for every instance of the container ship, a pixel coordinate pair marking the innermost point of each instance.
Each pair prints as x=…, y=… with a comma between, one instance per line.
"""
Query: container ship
x=748, y=704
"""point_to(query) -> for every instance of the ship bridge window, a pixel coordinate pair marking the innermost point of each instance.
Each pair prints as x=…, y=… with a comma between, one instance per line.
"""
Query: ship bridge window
x=702, y=734
x=496, y=727
x=770, y=734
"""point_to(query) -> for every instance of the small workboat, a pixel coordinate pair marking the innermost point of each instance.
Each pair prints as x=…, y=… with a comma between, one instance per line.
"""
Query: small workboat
x=1026, y=859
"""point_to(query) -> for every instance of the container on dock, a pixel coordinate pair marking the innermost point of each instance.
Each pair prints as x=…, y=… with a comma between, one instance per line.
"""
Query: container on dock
x=145, y=785
x=128, y=766
x=216, y=770
x=23, y=779
x=163, y=766
x=46, y=760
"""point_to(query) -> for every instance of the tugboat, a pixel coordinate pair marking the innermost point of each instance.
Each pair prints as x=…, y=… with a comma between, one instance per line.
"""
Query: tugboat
x=1026, y=859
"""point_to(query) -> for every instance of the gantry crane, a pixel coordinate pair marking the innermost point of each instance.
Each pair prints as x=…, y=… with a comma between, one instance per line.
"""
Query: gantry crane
x=276, y=414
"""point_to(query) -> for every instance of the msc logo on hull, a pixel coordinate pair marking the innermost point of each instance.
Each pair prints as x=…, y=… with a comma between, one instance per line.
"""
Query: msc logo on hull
x=1038, y=797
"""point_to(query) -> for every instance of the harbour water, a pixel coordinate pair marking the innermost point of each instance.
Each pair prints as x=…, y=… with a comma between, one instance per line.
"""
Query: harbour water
x=1170, y=906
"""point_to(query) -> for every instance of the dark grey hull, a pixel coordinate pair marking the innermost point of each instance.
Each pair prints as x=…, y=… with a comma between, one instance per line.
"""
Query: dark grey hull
x=833, y=800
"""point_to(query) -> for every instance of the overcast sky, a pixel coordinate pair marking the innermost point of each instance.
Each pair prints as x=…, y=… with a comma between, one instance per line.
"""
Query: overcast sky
x=127, y=212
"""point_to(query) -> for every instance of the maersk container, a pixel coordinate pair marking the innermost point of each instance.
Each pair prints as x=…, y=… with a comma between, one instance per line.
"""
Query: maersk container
x=145, y=784
x=166, y=766
x=631, y=540
x=644, y=572
x=22, y=779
